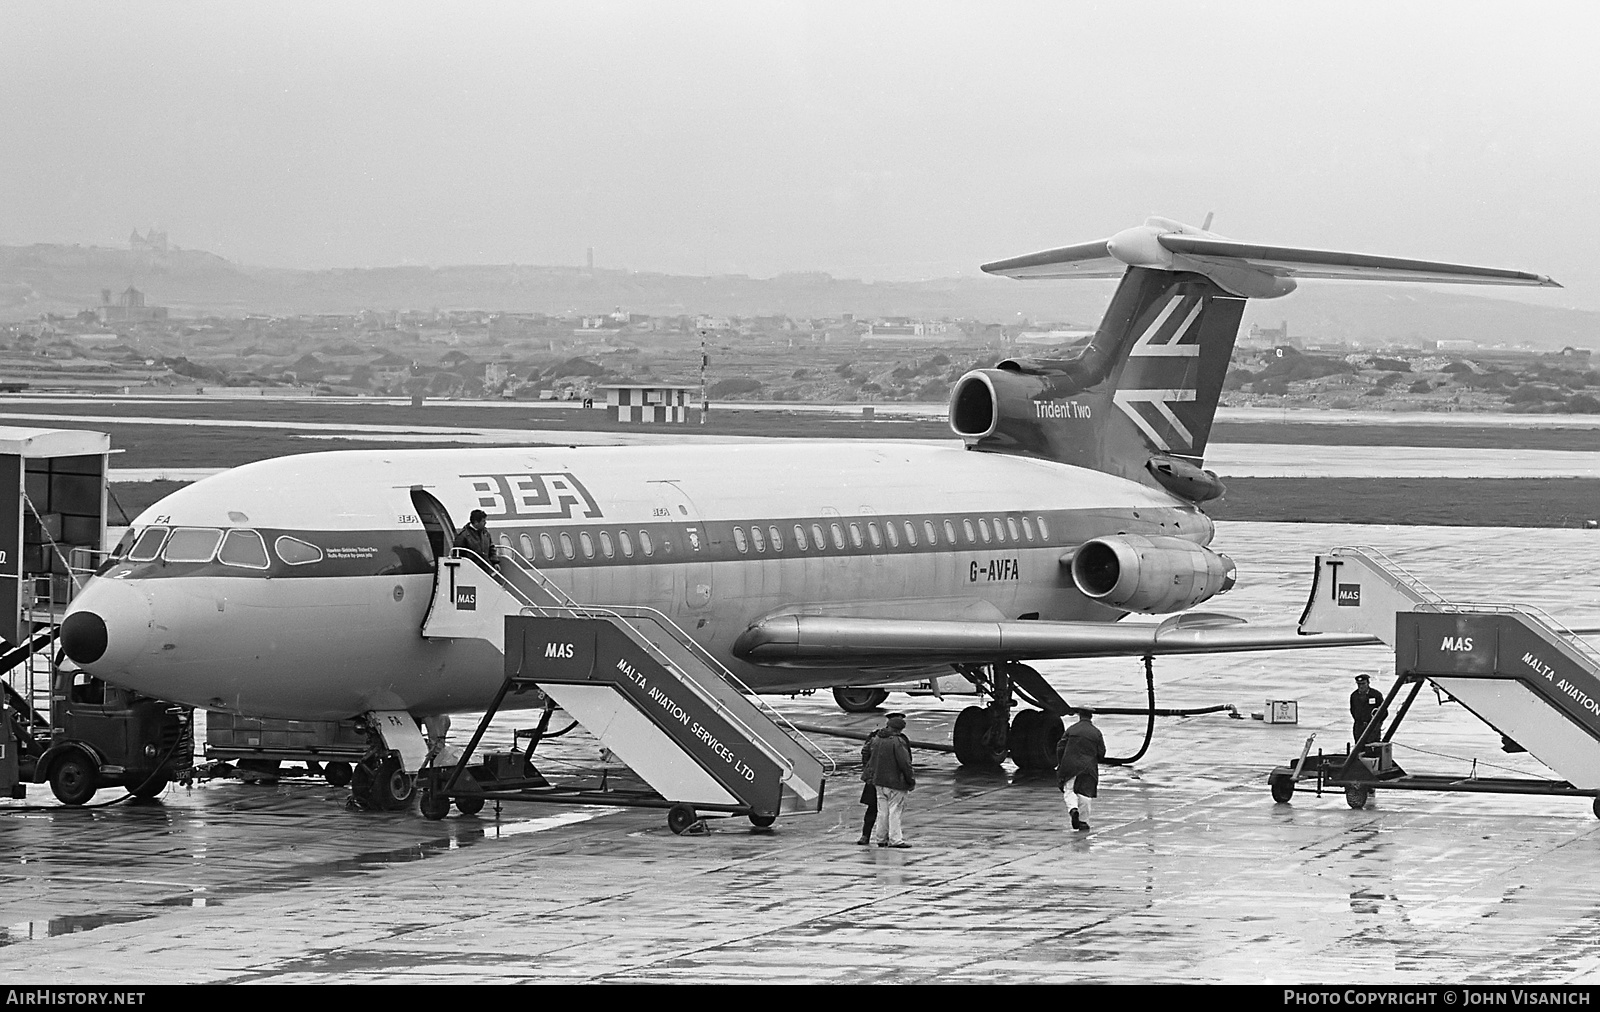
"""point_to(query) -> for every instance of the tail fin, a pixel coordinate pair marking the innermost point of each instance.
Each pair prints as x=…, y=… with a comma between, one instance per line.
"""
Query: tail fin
x=1144, y=390
x=1139, y=400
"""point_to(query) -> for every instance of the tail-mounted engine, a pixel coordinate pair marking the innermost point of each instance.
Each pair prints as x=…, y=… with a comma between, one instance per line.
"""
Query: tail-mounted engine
x=1001, y=409
x=1150, y=575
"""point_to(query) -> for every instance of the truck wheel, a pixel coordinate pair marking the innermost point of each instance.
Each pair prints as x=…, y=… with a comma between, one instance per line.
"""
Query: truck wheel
x=469, y=805
x=337, y=774
x=857, y=700
x=762, y=821
x=1282, y=785
x=74, y=778
x=150, y=788
x=1356, y=795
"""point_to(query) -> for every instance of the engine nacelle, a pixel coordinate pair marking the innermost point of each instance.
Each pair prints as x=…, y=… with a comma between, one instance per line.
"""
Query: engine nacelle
x=1150, y=575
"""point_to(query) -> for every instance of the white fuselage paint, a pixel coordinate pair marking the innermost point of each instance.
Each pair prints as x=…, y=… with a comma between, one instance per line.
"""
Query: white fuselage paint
x=291, y=643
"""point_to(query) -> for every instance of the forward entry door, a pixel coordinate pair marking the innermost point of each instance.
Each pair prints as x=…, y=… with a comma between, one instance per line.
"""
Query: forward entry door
x=691, y=544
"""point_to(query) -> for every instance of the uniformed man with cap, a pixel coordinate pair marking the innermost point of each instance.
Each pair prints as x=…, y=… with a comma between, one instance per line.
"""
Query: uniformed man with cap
x=1365, y=702
x=1078, y=757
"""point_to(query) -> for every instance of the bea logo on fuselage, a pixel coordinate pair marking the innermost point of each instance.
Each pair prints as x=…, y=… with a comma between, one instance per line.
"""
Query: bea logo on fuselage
x=549, y=495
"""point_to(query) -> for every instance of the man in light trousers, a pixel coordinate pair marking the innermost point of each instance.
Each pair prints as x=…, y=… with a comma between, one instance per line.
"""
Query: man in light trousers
x=893, y=775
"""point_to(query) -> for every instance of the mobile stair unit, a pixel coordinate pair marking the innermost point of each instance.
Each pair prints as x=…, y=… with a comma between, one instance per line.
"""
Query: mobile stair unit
x=1515, y=668
x=638, y=683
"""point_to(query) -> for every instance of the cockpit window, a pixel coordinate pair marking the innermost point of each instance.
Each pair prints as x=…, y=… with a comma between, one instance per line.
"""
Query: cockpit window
x=122, y=546
x=244, y=548
x=192, y=544
x=296, y=552
x=148, y=546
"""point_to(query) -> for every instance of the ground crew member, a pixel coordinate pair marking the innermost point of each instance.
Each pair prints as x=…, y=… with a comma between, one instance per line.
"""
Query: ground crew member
x=475, y=537
x=1078, y=758
x=869, y=790
x=1364, y=703
x=894, y=778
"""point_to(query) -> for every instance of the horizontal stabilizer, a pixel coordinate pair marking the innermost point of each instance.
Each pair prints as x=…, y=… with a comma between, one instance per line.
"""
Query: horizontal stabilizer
x=1251, y=270
x=1288, y=261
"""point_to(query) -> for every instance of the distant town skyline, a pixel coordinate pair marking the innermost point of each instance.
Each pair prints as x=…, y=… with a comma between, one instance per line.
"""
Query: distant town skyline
x=890, y=141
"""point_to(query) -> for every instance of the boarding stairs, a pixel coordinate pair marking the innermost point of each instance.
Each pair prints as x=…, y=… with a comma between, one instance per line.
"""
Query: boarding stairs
x=1516, y=668
x=636, y=681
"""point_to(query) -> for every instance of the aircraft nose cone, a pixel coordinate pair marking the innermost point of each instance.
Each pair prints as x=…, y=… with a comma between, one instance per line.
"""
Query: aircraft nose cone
x=84, y=637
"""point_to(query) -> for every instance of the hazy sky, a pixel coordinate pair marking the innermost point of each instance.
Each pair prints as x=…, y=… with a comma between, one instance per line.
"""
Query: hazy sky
x=878, y=140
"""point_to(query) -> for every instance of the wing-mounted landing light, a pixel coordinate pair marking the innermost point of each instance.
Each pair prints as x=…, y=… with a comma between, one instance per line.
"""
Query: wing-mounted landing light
x=1250, y=270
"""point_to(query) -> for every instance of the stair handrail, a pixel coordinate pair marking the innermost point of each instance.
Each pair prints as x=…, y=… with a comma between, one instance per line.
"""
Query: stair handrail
x=673, y=630
x=1401, y=574
x=1534, y=613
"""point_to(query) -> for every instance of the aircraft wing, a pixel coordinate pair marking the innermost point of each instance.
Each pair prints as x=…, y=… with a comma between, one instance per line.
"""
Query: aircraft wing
x=1288, y=261
x=813, y=641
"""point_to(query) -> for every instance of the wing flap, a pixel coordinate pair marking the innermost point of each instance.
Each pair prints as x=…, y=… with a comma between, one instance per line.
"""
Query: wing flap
x=829, y=641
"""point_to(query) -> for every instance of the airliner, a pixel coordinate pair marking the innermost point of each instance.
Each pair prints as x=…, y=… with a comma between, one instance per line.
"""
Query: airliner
x=298, y=587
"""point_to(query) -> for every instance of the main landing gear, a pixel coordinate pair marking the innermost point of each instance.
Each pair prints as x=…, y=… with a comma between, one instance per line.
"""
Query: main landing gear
x=986, y=735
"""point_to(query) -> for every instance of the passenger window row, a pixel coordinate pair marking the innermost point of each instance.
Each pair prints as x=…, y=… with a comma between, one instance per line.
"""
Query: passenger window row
x=761, y=540
x=608, y=546
x=864, y=533
x=240, y=547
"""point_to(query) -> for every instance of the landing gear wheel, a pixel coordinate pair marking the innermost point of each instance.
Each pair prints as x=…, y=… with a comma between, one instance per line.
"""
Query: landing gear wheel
x=1597, y=808
x=151, y=788
x=434, y=804
x=858, y=700
x=74, y=779
x=469, y=805
x=337, y=774
x=762, y=821
x=680, y=818
x=392, y=787
x=974, y=738
x=1034, y=735
x=1356, y=795
x=1282, y=785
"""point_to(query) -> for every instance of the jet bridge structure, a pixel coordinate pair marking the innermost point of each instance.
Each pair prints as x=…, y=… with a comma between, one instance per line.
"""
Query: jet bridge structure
x=638, y=683
x=1517, y=669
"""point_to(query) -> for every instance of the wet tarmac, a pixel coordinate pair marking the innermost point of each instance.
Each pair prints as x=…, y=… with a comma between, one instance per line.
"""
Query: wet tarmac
x=1190, y=874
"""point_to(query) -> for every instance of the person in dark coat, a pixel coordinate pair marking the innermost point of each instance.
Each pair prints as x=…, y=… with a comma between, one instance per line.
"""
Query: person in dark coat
x=1078, y=757
x=869, y=791
x=475, y=537
x=1365, y=703
x=894, y=778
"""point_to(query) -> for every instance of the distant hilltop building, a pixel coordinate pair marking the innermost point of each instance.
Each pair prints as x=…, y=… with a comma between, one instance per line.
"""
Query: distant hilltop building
x=1271, y=336
x=129, y=307
x=1451, y=345
x=155, y=242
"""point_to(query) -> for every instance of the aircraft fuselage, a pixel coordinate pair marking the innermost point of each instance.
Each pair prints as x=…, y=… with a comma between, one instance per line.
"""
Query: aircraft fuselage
x=318, y=613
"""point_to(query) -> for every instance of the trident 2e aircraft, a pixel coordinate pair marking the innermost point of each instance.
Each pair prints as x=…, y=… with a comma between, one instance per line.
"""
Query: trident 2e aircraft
x=298, y=587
